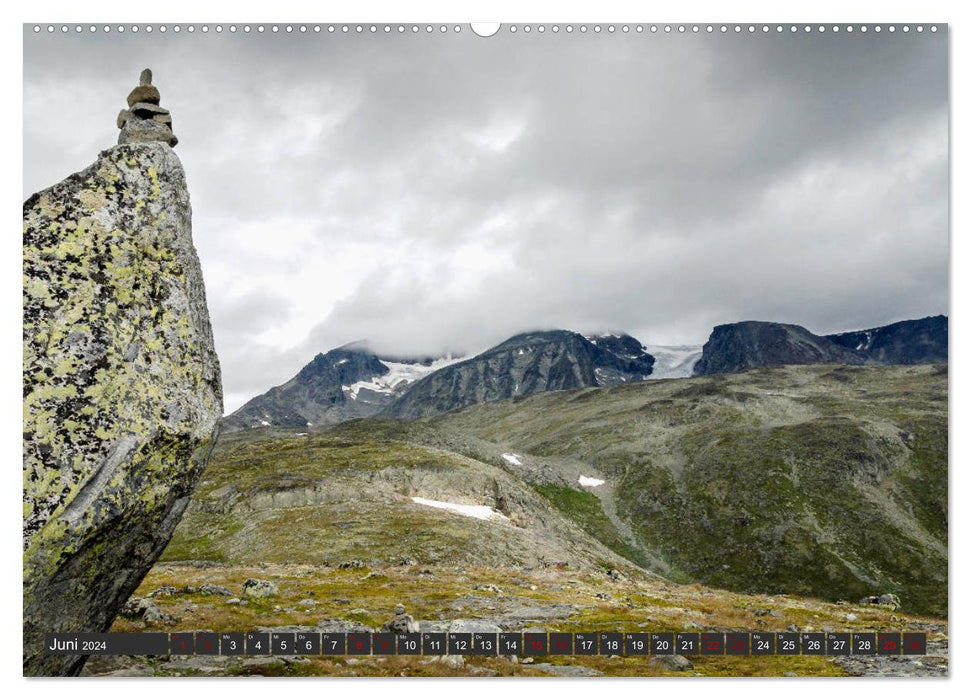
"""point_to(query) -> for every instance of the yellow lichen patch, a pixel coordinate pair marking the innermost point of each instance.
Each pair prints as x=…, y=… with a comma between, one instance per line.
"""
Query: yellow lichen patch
x=92, y=199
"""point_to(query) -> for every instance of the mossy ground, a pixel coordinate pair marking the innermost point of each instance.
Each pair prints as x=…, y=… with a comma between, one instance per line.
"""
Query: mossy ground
x=368, y=597
x=778, y=489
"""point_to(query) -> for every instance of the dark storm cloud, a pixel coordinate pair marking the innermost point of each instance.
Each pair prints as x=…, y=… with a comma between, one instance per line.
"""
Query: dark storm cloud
x=439, y=192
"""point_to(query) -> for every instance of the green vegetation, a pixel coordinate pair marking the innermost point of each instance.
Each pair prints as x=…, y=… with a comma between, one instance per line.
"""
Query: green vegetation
x=824, y=481
x=585, y=510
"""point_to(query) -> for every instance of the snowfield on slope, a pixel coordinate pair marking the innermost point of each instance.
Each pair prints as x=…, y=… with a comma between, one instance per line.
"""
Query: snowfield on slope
x=513, y=459
x=409, y=372
x=590, y=481
x=673, y=361
x=478, y=512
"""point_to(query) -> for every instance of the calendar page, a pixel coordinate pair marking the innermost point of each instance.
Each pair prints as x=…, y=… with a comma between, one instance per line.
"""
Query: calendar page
x=520, y=349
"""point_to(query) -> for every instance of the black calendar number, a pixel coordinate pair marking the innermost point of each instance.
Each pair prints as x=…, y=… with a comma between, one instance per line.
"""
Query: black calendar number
x=433, y=643
x=283, y=643
x=333, y=643
x=409, y=643
x=763, y=643
x=460, y=643
x=687, y=643
x=636, y=644
x=787, y=643
x=257, y=643
x=838, y=644
x=662, y=643
x=864, y=643
x=484, y=643
x=584, y=643
x=611, y=643
x=231, y=644
x=510, y=643
x=813, y=643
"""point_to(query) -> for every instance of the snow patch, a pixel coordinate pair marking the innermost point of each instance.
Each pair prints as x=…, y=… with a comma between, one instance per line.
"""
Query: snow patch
x=590, y=481
x=673, y=361
x=399, y=372
x=513, y=459
x=478, y=512
x=264, y=422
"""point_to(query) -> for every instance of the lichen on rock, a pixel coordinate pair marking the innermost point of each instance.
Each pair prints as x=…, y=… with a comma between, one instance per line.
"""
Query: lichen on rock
x=121, y=388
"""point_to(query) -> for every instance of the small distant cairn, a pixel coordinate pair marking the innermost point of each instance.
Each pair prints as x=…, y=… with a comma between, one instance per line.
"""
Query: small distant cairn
x=144, y=121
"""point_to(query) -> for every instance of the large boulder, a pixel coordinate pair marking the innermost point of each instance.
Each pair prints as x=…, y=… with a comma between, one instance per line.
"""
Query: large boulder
x=121, y=388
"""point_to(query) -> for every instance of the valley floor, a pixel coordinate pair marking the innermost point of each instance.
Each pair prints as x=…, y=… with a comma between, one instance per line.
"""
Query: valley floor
x=358, y=598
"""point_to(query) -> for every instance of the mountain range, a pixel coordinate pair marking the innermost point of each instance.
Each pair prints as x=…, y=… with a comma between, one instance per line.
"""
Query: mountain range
x=353, y=382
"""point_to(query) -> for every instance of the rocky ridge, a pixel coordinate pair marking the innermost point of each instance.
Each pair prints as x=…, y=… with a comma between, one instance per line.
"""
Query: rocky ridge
x=527, y=364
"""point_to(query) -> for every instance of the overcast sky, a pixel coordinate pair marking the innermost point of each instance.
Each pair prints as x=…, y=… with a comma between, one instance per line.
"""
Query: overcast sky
x=442, y=192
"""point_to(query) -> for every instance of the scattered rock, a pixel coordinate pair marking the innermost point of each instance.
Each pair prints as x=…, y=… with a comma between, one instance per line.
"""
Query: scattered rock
x=601, y=596
x=568, y=671
x=352, y=564
x=210, y=589
x=489, y=587
x=163, y=592
x=144, y=609
x=671, y=662
x=474, y=626
x=401, y=623
x=888, y=599
x=453, y=660
x=307, y=603
x=258, y=588
x=233, y=601
x=615, y=575
x=851, y=617
x=481, y=671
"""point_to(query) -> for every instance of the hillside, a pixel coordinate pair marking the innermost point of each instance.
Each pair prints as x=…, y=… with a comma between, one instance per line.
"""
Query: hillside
x=828, y=481
x=737, y=347
x=527, y=364
x=820, y=480
x=904, y=343
x=758, y=500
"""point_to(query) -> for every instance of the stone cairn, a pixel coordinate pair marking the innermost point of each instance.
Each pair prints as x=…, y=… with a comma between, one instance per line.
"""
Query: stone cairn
x=144, y=121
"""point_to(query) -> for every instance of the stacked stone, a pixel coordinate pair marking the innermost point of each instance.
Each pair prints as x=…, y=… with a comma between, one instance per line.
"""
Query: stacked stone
x=144, y=121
